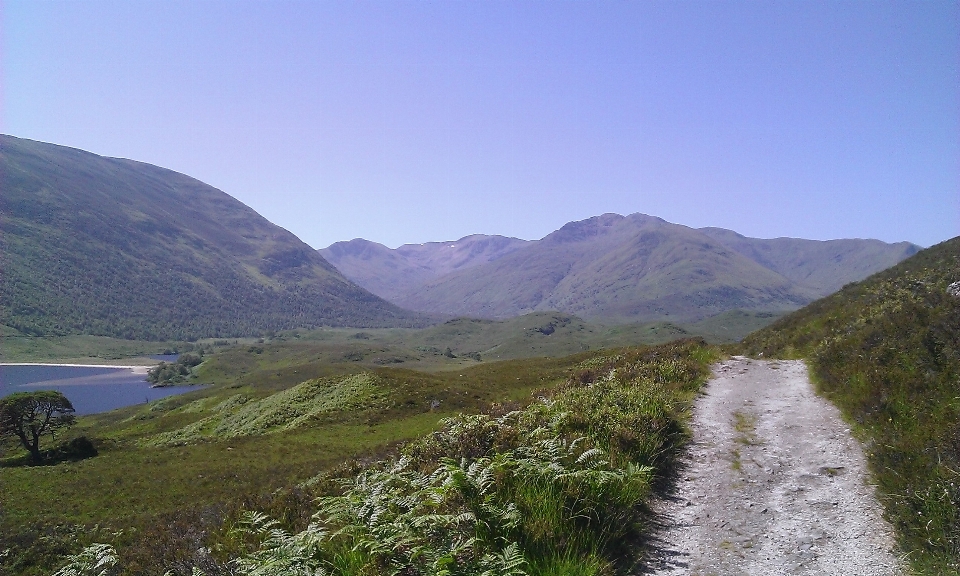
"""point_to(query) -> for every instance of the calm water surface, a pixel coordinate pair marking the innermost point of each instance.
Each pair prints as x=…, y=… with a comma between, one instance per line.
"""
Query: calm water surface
x=89, y=389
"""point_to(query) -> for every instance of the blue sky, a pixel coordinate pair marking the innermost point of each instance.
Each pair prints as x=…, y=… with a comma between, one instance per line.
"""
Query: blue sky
x=406, y=122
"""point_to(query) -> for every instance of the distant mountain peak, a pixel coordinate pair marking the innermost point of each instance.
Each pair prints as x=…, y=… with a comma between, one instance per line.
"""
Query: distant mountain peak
x=617, y=268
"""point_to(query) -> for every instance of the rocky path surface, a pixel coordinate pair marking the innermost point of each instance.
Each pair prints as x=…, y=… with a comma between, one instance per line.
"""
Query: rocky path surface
x=773, y=484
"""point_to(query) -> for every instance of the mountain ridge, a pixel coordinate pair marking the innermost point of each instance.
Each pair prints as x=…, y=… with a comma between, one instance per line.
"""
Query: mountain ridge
x=627, y=268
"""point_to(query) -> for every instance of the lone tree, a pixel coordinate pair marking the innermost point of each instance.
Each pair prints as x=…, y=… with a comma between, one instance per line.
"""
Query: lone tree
x=30, y=415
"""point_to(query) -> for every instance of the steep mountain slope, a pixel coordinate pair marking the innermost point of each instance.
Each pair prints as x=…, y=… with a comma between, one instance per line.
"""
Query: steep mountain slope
x=669, y=271
x=377, y=268
x=114, y=247
x=619, y=269
x=887, y=351
x=824, y=266
x=394, y=273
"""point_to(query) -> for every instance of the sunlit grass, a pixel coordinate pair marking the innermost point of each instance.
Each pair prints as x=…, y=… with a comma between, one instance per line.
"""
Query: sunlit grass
x=887, y=352
x=556, y=487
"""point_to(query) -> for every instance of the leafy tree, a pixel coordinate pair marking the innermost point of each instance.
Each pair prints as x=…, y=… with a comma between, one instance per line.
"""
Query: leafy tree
x=30, y=415
x=176, y=372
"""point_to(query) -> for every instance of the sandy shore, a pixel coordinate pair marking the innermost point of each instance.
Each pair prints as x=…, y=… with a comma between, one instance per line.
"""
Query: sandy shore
x=134, y=369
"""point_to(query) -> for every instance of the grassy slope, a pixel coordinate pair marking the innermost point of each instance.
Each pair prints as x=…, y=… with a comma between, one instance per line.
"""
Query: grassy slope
x=167, y=498
x=558, y=488
x=110, y=247
x=887, y=352
x=138, y=480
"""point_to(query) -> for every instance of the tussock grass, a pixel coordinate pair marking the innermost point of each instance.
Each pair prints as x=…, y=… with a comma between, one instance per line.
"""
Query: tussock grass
x=887, y=352
x=239, y=415
x=549, y=484
x=556, y=488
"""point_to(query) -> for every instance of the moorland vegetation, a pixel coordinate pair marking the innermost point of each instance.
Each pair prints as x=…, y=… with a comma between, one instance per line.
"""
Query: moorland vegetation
x=471, y=447
x=498, y=463
x=887, y=351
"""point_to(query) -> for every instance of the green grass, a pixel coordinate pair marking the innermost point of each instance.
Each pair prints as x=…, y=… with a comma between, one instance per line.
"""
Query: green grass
x=732, y=326
x=887, y=352
x=16, y=347
x=556, y=488
x=138, y=485
x=745, y=424
x=537, y=334
x=162, y=503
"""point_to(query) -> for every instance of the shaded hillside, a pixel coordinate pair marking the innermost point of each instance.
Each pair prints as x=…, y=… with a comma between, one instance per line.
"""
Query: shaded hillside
x=824, y=266
x=887, y=351
x=394, y=273
x=614, y=269
x=114, y=247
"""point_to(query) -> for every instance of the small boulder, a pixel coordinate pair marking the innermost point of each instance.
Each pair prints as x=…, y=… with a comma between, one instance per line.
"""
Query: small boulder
x=954, y=289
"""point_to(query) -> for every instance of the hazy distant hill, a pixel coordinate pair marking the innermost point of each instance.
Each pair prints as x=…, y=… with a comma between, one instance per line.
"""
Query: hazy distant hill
x=394, y=273
x=825, y=266
x=616, y=268
x=114, y=247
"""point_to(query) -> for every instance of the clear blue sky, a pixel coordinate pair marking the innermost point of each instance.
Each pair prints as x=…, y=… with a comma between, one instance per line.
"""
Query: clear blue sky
x=417, y=121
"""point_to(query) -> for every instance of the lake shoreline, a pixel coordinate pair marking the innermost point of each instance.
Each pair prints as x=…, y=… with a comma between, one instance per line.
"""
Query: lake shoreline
x=136, y=369
x=90, y=388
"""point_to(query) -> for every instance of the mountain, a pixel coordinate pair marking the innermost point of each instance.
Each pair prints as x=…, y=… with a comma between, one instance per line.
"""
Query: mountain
x=395, y=273
x=618, y=269
x=114, y=247
x=886, y=350
x=825, y=266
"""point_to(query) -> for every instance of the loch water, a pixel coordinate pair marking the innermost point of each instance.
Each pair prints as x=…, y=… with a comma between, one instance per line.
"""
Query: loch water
x=90, y=389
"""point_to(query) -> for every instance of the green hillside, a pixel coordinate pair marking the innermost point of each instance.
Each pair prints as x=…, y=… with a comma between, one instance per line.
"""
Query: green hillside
x=887, y=352
x=111, y=247
x=823, y=265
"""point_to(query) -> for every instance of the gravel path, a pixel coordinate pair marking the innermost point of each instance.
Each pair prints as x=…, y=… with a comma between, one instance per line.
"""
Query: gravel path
x=773, y=484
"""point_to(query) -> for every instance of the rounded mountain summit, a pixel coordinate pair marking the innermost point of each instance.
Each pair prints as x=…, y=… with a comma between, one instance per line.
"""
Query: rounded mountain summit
x=114, y=247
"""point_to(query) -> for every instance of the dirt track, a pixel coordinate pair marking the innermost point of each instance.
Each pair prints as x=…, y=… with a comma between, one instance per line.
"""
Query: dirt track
x=773, y=484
